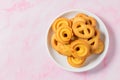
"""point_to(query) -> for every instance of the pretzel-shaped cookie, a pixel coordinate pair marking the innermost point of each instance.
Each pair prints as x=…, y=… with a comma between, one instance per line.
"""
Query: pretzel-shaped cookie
x=89, y=20
x=75, y=62
x=64, y=34
x=80, y=48
x=83, y=31
x=93, y=41
x=60, y=22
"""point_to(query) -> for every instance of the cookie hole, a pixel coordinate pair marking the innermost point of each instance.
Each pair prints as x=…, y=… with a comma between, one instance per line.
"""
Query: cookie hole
x=90, y=21
x=78, y=26
x=56, y=43
x=82, y=32
x=88, y=30
x=95, y=33
x=77, y=49
x=65, y=35
x=89, y=38
x=92, y=43
x=61, y=24
x=86, y=22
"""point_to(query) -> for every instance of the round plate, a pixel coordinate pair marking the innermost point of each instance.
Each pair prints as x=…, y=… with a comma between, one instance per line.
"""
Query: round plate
x=91, y=61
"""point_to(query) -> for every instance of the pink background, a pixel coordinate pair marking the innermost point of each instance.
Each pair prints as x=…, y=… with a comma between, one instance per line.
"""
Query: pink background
x=23, y=28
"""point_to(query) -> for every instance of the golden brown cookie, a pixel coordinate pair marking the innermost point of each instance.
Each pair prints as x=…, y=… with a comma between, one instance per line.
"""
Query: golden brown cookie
x=61, y=48
x=54, y=42
x=100, y=48
x=91, y=21
x=88, y=19
x=79, y=19
x=75, y=62
x=64, y=34
x=83, y=31
x=80, y=48
x=64, y=49
x=93, y=41
x=82, y=15
x=60, y=22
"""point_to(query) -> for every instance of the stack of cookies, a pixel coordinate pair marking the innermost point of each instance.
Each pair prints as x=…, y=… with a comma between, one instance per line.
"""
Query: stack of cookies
x=77, y=38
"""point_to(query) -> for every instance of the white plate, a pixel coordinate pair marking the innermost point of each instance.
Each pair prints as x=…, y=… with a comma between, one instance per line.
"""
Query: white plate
x=93, y=60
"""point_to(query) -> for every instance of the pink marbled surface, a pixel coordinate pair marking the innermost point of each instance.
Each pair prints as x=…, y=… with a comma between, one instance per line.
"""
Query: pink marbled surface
x=23, y=28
